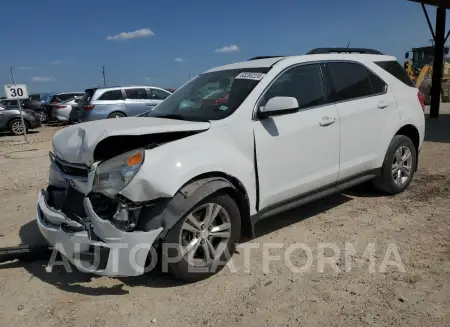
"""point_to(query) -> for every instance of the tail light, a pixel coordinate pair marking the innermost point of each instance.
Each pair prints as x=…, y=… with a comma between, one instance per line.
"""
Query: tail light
x=59, y=106
x=421, y=98
x=89, y=107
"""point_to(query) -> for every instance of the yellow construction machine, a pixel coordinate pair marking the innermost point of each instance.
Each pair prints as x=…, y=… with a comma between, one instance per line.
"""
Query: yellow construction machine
x=420, y=69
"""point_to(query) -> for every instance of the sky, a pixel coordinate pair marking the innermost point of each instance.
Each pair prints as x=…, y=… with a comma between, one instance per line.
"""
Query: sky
x=60, y=45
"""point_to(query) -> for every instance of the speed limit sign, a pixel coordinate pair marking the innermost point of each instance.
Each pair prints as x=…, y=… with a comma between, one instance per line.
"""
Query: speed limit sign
x=16, y=91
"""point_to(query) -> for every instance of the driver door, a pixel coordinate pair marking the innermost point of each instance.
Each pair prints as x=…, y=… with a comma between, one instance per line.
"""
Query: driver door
x=298, y=152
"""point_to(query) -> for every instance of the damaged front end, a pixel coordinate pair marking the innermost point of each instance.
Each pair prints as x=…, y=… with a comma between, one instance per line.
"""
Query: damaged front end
x=84, y=217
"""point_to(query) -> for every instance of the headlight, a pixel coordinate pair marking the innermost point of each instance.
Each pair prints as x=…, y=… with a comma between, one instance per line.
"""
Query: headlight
x=114, y=174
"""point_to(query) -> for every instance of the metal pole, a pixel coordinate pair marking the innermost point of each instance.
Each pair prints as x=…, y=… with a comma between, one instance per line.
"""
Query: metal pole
x=20, y=107
x=428, y=21
x=438, y=63
x=104, y=76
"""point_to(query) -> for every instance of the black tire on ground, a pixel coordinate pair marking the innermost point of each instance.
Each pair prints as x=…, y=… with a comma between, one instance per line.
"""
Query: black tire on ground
x=43, y=116
x=13, y=126
x=385, y=181
x=182, y=268
x=117, y=114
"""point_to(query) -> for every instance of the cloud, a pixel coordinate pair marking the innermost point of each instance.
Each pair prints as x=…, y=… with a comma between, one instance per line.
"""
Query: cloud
x=43, y=79
x=228, y=49
x=24, y=68
x=179, y=59
x=59, y=62
x=147, y=78
x=144, y=32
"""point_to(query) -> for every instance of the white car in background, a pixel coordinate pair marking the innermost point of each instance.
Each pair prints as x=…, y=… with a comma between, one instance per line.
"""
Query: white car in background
x=61, y=111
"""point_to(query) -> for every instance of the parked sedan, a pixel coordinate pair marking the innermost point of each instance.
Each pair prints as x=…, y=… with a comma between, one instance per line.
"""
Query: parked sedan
x=30, y=104
x=10, y=120
x=61, y=111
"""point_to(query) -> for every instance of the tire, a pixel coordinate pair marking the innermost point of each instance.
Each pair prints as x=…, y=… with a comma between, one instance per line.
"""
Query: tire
x=117, y=114
x=386, y=182
x=176, y=239
x=14, y=126
x=43, y=116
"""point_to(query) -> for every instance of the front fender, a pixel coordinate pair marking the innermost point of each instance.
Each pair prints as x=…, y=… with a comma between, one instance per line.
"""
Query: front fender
x=169, y=167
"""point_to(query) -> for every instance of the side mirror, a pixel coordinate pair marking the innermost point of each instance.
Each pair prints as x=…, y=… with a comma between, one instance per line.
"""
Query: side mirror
x=407, y=55
x=278, y=105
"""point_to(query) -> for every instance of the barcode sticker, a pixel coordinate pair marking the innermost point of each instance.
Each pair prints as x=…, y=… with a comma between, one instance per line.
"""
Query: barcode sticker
x=252, y=76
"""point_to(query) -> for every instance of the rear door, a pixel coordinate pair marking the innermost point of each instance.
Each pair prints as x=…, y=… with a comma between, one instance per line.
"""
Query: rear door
x=157, y=96
x=109, y=102
x=364, y=103
x=137, y=101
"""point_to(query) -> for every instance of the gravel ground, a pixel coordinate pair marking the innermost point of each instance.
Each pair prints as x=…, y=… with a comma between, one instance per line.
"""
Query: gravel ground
x=415, y=222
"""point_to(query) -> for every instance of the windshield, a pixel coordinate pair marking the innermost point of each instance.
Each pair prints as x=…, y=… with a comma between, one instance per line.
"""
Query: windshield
x=210, y=96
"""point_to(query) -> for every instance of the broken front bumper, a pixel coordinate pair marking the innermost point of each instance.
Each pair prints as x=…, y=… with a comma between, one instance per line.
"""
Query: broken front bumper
x=96, y=246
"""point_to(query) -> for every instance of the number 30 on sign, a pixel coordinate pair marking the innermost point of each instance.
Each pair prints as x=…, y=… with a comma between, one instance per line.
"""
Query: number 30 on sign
x=16, y=91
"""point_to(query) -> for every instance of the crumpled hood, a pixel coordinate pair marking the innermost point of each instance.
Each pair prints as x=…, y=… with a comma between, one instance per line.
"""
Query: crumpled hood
x=76, y=143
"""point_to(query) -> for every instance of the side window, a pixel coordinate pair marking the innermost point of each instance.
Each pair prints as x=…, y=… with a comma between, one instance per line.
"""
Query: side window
x=303, y=83
x=156, y=94
x=378, y=85
x=63, y=97
x=136, y=94
x=352, y=81
x=396, y=70
x=112, y=95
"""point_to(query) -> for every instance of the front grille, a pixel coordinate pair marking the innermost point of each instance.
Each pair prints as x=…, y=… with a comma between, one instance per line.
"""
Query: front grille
x=73, y=206
x=71, y=170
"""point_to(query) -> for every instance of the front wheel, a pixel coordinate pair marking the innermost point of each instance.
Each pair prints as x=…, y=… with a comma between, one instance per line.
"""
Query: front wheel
x=17, y=128
x=398, y=167
x=202, y=242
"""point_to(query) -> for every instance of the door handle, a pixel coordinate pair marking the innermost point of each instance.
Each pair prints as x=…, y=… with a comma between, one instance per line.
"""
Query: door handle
x=150, y=105
x=327, y=121
x=382, y=104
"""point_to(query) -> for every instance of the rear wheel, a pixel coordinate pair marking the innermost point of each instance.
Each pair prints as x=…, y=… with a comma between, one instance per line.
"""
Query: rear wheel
x=202, y=242
x=117, y=114
x=398, y=167
x=16, y=127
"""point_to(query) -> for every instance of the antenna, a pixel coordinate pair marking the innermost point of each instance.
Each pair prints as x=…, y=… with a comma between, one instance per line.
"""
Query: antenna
x=348, y=45
x=104, y=76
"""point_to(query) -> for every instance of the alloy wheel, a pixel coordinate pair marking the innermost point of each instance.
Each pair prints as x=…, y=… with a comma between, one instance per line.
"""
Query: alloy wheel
x=17, y=127
x=205, y=234
x=402, y=165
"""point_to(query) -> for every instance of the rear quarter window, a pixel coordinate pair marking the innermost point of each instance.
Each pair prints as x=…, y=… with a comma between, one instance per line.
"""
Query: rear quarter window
x=112, y=95
x=395, y=69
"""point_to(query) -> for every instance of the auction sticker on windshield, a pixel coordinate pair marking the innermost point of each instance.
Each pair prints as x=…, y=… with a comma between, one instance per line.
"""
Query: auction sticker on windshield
x=252, y=76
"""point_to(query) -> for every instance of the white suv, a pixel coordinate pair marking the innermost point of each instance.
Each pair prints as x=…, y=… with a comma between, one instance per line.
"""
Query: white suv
x=236, y=144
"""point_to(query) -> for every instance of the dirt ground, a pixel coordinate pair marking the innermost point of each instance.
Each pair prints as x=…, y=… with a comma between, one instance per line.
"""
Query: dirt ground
x=417, y=222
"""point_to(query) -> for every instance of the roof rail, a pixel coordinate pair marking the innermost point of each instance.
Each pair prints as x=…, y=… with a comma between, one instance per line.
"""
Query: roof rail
x=344, y=50
x=264, y=57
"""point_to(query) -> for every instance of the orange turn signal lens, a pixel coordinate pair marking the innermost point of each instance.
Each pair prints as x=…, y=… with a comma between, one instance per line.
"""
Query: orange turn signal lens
x=135, y=159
